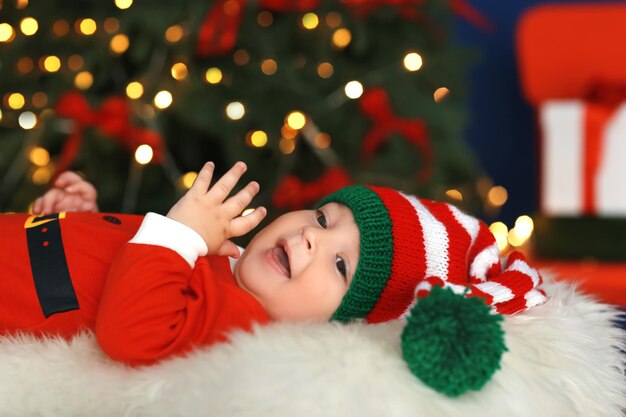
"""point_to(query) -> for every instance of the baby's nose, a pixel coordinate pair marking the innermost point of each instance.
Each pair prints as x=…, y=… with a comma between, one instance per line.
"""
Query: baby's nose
x=310, y=237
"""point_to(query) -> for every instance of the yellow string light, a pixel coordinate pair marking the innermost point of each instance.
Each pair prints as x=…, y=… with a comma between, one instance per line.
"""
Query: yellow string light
x=295, y=120
x=163, y=99
x=353, y=89
x=29, y=26
x=187, y=179
x=342, y=38
x=83, y=80
x=286, y=146
x=179, y=71
x=119, y=44
x=123, y=4
x=42, y=175
x=310, y=21
x=39, y=156
x=21, y=4
x=440, y=94
x=134, y=90
x=454, y=194
x=144, y=154
x=269, y=67
x=497, y=196
x=174, y=34
x=7, y=34
x=325, y=70
x=412, y=61
x=500, y=233
x=213, y=75
x=322, y=140
x=235, y=110
x=87, y=26
x=52, y=63
x=524, y=227
x=16, y=101
x=27, y=120
x=258, y=138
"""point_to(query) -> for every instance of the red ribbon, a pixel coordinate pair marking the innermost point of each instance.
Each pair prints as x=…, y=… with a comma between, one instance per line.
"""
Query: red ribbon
x=375, y=104
x=218, y=33
x=112, y=119
x=602, y=102
x=292, y=194
x=219, y=30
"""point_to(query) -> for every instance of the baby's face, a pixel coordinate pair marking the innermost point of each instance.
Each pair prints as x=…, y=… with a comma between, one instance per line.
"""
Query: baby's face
x=300, y=266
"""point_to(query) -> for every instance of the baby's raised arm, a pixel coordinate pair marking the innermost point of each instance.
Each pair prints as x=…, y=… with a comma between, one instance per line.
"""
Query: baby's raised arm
x=70, y=192
x=209, y=211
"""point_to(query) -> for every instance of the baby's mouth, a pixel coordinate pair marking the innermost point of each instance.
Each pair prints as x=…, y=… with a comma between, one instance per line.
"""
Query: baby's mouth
x=282, y=259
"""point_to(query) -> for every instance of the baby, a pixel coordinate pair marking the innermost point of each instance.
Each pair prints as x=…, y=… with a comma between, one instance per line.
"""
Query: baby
x=154, y=286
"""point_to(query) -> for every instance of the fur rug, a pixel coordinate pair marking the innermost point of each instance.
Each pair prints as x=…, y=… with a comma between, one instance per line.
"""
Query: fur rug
x=563, y=360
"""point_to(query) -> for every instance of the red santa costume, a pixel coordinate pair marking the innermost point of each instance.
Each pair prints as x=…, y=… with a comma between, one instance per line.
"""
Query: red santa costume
x=144, y=285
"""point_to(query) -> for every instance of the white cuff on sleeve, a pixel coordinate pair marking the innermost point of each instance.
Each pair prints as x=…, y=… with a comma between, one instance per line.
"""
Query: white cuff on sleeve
x=162, y=231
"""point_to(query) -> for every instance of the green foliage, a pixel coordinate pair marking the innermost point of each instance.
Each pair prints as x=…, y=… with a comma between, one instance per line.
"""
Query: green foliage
x=195, y=128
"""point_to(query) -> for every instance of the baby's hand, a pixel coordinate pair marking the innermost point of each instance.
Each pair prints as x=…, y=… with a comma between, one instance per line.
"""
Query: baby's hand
x=70, y=193
x=213, y=215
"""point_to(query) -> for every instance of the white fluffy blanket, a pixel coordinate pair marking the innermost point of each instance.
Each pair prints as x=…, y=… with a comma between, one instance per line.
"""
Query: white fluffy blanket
x=562, y=361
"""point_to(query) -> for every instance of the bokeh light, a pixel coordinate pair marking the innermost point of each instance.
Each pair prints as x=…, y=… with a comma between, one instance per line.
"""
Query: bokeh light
x=412, y=61
x=213, y=75
x=295, y=120
x=353, y=89
x=310, y=21
x=119, y=44
x=39, y=156
x=134, y=90
x=235, y=110
x=163, y=99
x=342, y=38
x=144, y=154
x=27, y=120
x=83, y=80
x=29, y=26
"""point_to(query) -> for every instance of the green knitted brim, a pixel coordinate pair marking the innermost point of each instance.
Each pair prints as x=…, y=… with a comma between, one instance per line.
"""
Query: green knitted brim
x=376, y=250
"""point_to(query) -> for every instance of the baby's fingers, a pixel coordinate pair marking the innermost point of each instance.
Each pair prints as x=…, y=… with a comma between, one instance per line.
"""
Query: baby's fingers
x=202, y=182
x=242, y=225
x=225, y=185
x=237, y=203
x=67, y=178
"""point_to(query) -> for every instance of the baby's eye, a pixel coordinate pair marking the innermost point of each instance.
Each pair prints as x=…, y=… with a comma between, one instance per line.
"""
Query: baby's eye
x=341, y=266
x=321, y=219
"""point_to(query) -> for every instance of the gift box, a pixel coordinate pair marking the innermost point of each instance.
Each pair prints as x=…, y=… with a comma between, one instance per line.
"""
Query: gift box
x=574, y=77
x=583, y=158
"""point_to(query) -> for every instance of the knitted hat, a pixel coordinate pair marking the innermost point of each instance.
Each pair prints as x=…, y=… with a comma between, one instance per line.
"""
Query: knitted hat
x=409, y=246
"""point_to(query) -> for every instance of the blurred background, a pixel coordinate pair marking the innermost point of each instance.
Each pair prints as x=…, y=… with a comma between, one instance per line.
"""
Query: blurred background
x=431, y=96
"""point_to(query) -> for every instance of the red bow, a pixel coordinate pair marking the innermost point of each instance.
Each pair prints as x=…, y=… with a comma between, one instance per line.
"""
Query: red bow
x=292, y=194
x=112, y=119
x=220, y=28
x=375, y=104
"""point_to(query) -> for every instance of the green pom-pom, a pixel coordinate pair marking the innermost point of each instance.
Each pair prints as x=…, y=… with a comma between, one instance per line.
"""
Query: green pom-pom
x=452, y=343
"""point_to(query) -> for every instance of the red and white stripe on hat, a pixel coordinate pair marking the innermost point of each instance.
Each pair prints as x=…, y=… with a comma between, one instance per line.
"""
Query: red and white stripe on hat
x=435, y=243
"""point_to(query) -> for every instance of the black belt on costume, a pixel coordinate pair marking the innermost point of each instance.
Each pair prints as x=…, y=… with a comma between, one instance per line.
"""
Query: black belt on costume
x=48, y=265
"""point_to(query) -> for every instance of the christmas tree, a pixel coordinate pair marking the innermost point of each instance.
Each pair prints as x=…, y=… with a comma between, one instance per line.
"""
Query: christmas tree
x=312, y=95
